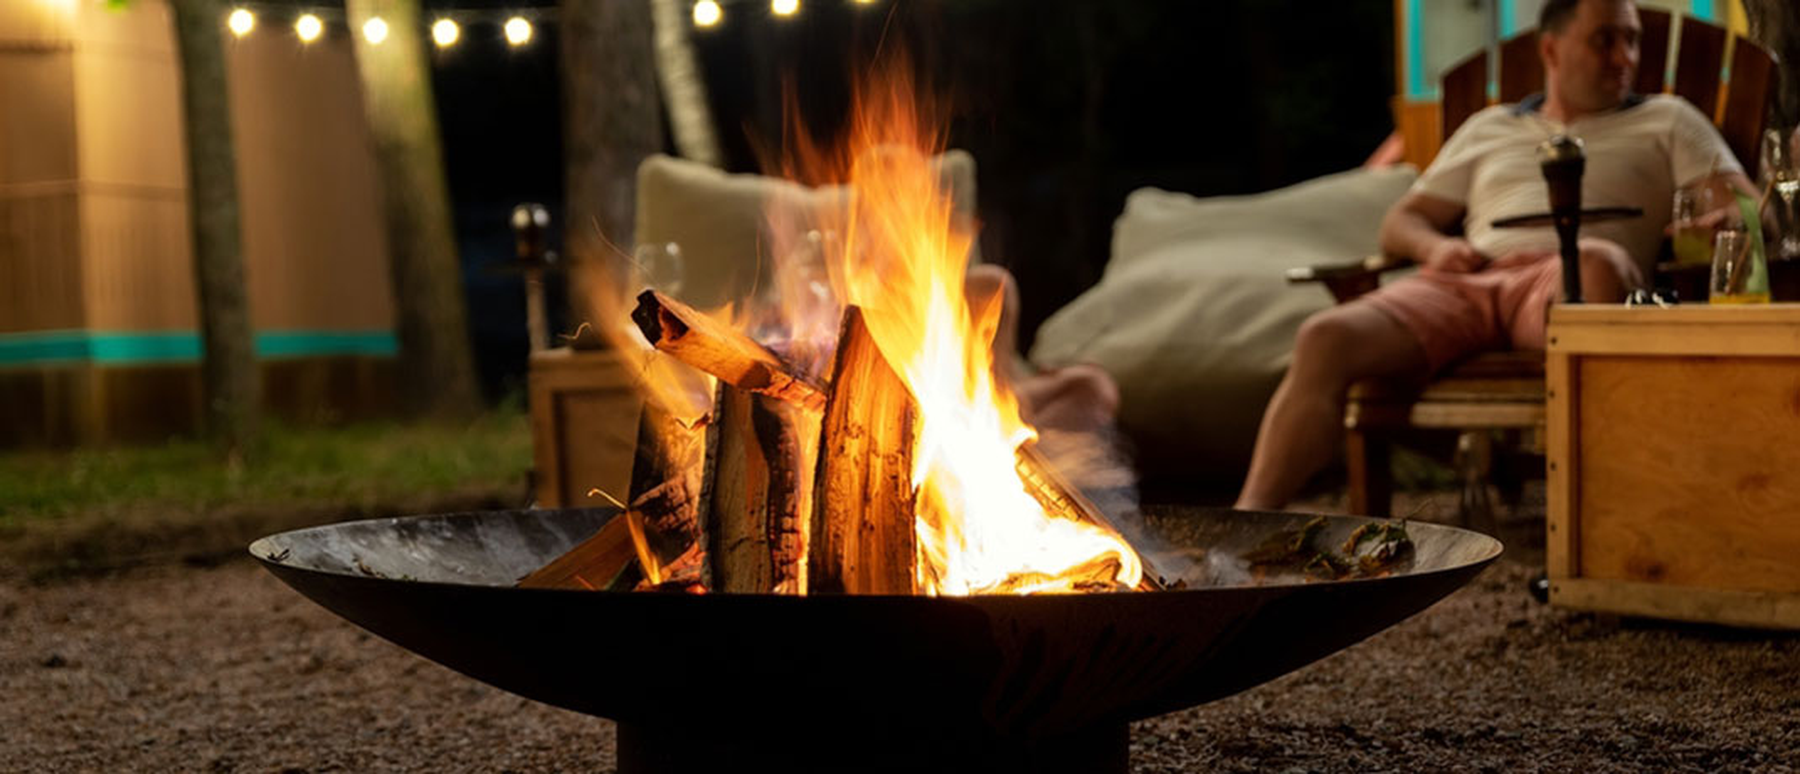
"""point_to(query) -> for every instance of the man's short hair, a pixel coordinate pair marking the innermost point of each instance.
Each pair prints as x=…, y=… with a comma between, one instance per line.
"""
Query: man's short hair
x=1556, y=14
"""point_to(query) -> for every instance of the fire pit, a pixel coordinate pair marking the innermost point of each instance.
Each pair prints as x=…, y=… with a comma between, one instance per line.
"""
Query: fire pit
x=718, y=682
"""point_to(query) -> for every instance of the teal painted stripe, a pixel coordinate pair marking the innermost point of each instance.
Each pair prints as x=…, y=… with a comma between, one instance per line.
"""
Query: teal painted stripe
x=180, y=346
x=1702, y=10
x=1415, y=52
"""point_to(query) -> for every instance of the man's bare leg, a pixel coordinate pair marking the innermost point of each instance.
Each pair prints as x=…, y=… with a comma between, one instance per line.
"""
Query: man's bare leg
x=1305, y=420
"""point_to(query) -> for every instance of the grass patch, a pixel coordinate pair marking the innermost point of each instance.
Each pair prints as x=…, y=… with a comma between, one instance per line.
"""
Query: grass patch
x=119, y=505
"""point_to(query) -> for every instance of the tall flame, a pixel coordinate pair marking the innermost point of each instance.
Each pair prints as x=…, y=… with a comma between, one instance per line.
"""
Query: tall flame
x=902, y=258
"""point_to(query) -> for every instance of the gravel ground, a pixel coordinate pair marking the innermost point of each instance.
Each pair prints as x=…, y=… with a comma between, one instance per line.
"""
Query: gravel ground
x=182, y=668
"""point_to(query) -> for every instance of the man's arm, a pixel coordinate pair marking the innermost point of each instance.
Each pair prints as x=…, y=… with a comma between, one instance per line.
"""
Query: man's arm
x=1418, y=227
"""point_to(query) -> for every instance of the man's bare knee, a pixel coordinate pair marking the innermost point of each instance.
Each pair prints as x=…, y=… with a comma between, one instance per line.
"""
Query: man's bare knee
x=1607, y=272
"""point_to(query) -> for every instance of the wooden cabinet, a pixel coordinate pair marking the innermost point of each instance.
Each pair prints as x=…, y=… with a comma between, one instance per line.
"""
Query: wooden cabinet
x=1674, y=462
x=584, y=420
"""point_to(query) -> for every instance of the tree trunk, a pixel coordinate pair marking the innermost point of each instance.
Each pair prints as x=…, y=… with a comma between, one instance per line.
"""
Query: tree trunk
x=612, y=121
x=436, y=368
x=228, y=365
x=684, y=84
x=1776, y=25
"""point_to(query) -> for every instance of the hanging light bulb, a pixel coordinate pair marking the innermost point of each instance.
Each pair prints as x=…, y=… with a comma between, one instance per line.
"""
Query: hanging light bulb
x=706, y=13
x=240, y=22
x=375, y=30
x=308, y=27
x=784, y=7
x=444, y=33
x=518, y=31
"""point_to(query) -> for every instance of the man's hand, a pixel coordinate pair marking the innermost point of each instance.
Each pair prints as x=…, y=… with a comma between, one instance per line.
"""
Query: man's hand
x=1454, y=256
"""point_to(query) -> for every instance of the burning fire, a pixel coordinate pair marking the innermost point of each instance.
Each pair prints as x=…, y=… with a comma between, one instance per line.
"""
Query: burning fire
x=902, y=258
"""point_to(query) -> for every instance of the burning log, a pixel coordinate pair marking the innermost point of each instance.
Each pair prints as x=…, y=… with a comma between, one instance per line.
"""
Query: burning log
x=752, y=499
x=659, y=527
x=711, y=346
x=594, y=564
x=1059, y=497
x=863, y=539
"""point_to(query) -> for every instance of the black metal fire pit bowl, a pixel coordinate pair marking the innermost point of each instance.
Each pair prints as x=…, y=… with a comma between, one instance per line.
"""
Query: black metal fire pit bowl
x=722, y=682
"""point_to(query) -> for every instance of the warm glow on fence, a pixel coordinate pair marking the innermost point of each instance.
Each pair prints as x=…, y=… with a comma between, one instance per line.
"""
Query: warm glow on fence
x=706, y=13
x=784, y=7
x=240, y=22
x=445, y=32
x=375, y=30
x=518, y=31
x=308, y=27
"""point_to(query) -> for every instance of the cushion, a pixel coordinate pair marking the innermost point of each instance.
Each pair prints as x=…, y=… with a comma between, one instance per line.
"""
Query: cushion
x=1194, y=318
x=721, y=220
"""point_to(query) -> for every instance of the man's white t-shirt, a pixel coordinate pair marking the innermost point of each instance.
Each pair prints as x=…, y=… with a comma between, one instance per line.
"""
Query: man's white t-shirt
x=1636, y=157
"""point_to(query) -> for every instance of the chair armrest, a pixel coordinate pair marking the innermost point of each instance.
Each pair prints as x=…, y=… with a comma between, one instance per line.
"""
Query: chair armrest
x=1349, y=280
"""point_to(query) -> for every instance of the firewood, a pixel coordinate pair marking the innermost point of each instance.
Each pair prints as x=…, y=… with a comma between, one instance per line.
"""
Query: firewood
x=862, y=538
x=751, y=495
x=664, y=477
x=1059, y=498
x=593, y=564
x=713, y=347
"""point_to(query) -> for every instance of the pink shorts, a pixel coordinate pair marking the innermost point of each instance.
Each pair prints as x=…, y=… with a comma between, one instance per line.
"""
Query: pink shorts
x=1503, y=306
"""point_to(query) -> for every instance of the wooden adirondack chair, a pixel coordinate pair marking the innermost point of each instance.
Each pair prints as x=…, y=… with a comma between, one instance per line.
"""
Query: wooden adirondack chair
x=1504, y=391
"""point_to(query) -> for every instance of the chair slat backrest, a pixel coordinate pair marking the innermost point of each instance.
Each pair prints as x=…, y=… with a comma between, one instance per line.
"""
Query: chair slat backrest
x=1697, y=64
x=1464, y=87
x=1521, y=70
x=1747, y=103
x=1653, y=51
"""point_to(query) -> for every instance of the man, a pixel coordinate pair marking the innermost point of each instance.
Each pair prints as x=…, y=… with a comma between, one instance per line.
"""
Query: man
x=1491, y=288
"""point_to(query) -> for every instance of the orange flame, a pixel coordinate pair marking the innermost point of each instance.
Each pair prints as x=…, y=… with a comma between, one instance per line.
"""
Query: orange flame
x=902, y=256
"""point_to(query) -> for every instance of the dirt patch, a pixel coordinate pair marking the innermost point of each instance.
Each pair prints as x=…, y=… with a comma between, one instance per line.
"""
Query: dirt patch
x=224, y=669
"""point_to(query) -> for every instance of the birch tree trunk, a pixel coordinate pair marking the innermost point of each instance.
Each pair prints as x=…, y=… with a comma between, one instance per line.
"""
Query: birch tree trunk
x=228, y=362
x=612, y=121
x=684, y=84
x=437, y=372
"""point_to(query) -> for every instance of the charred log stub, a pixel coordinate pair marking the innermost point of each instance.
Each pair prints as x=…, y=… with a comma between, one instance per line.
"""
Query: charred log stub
x=711, y=346
x=863, y=539
x=649, y=539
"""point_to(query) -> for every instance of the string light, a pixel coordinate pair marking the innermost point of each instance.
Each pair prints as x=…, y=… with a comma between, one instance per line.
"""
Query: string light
x=784, y=7
x=444, y=33
x=375, y=30
x=240, y=22
x=308, y=27
x=706, y=13
x=518, y=31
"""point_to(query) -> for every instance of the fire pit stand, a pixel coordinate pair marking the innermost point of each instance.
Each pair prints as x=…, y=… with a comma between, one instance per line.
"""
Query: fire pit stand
x=864, y=683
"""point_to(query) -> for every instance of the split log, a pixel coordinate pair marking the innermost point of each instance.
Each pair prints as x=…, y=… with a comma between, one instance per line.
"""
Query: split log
x=1060, y=498
x=595, y=564
x=863, y=539
x=665, y=476
x=712, y=346
x=752, y=500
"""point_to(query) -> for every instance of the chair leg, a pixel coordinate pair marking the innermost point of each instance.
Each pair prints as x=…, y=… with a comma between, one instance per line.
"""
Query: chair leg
x=1371, y=475
x=1474, y=463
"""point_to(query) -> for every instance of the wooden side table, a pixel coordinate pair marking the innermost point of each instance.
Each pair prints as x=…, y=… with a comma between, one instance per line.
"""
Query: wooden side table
x=1674, y=462
x=584, y=420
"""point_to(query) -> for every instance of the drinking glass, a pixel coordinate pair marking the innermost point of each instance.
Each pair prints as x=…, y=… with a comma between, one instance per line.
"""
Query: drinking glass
x=1692, y=242
x=1782, y=172
x=1738, y=273
x=659, y=266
